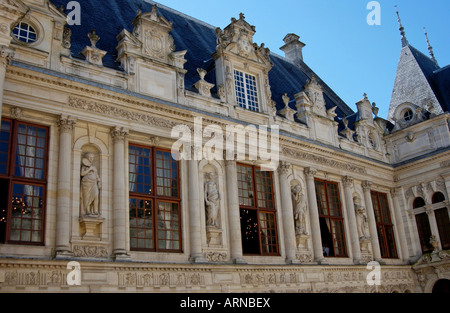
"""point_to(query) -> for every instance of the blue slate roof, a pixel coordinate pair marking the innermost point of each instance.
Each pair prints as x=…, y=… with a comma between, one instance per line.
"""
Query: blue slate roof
x=438, y=78
x=442, y=78
x=198, y=38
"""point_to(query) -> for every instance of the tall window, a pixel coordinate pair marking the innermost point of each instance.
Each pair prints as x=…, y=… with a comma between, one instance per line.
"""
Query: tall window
x=23, y=163
x=423, y=226
x=258, y=215
x=385, y=228
x=246, y=91
x=442, y=220
x=155, y=221
x=331, y=219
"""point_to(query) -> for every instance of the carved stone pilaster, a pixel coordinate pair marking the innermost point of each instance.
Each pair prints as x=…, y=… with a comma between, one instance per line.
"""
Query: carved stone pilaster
x=6, y=55
x=395, y=192
x=66, y=123
x=284, y=167
x=310, y=172
x=366, y=185
x=347, y=181
x=119, y=134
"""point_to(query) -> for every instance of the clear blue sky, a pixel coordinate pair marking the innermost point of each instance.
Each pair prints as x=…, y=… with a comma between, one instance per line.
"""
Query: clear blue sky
x=352, y=57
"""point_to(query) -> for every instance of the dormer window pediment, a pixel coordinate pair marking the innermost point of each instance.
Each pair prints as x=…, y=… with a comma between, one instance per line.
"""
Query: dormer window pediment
x=152, y=30
x=242, y=67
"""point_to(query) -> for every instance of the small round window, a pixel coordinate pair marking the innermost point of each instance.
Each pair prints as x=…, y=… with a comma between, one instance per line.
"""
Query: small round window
x=408, y=115
x=25, y=33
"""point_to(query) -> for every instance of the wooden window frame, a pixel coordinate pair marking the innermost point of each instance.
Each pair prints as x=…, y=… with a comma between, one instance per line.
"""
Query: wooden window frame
x=333, y=218
x=154, y=198
x=383, y=225
x=10, y=178
x=273, y=246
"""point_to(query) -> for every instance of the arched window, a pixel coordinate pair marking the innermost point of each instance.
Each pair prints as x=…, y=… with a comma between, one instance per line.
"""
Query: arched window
x=442, y=220
x=438, y=197
x=423, y=226
x=418, y=203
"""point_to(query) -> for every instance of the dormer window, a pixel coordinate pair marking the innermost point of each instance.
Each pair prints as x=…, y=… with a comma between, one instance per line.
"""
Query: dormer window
x=246, y=91
x=408, y=115
x=25, y=33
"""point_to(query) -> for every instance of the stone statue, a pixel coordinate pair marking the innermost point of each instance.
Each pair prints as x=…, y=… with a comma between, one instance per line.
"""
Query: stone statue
x=361, y=219
x=300, y=207
x=212, y=198
x=90, y=186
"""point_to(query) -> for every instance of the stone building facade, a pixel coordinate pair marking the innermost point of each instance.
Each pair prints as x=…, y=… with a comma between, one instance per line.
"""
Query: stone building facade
x=91, y=190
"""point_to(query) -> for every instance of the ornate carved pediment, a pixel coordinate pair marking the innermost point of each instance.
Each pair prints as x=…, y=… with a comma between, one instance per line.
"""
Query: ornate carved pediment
x=311, y=100
x=314, y=91
x=152, y=30
x=238, y=39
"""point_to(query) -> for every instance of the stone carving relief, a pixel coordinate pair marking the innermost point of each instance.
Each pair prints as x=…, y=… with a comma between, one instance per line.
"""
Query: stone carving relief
x=300, y=208
x=159, y=279
x=362, y=223
x=300, y=155
x=90, y=251
x=238, y=38
x=90, y=186
x=212, y=200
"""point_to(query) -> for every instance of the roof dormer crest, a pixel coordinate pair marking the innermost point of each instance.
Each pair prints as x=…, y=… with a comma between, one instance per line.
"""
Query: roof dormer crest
x=152, y=30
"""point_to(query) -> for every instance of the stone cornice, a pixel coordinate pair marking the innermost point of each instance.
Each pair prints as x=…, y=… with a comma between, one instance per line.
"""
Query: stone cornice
x=121, y=103
x=305, y=156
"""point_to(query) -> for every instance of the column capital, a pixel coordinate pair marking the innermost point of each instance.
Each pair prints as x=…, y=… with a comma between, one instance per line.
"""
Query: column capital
x=284, y=167
x=229, y=162
x=310, y=172
x=66, y=123
x=396, y=191
x=366, y=185
x=347, y=181
x=429, y=209
x=119, y=134
x=6, y=55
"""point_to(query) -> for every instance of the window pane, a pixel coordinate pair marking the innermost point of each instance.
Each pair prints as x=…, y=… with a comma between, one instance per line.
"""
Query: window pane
x=333, y=200
x=166, y=174
x=4, y=146
x=443, y=224
x=245, y=185
x=28, y=155
x=168, y=226
x=139, y=169
x=384, y=224
x=321, y=198
x=246, y=91
x=330, y=219
x=141, y=223
x=264, y=189
x=26, y=213
x=268, y=234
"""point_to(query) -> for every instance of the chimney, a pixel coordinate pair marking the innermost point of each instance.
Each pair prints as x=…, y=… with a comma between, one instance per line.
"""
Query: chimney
x=293, y=48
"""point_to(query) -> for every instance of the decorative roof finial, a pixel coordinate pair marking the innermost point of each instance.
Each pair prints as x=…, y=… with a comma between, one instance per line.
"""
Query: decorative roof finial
x=94, y=38
x=430, y=48
x=402, y=29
